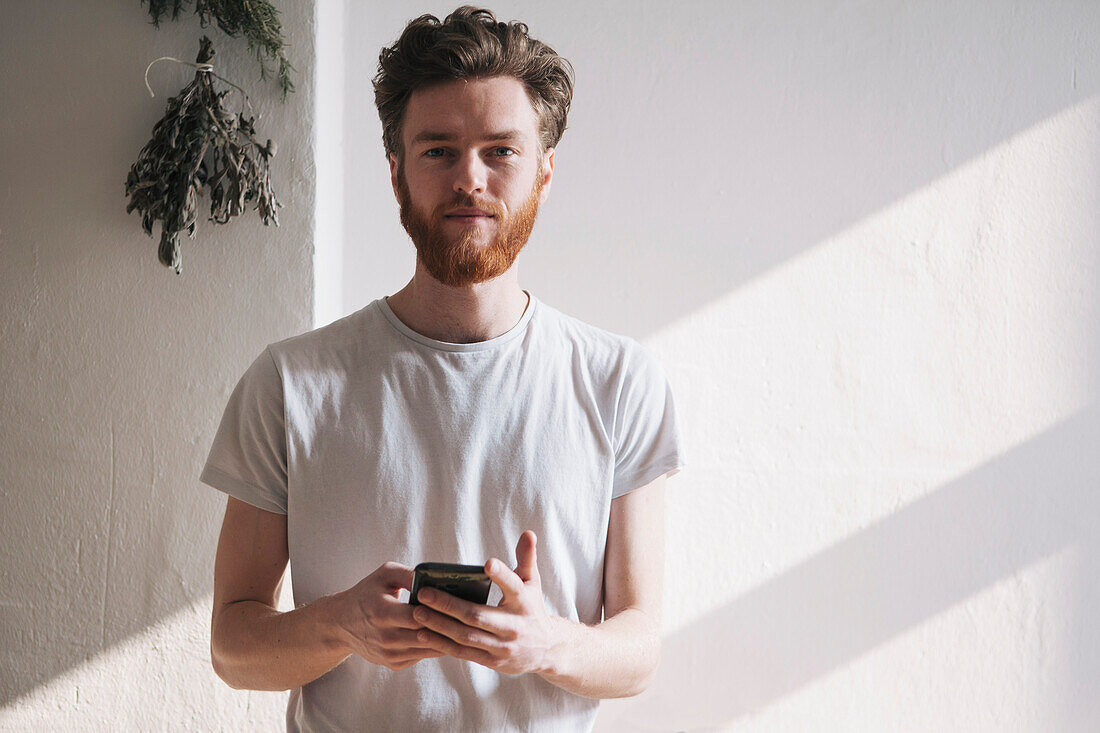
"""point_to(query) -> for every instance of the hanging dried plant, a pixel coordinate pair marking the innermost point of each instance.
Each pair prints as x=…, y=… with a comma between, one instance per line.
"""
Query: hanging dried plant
x=256, y=20
x=172, y=170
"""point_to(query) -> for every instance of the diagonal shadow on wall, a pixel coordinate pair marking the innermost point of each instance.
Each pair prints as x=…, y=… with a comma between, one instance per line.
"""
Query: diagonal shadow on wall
x=739, y=135
x=1035, y=500
x=878, y=131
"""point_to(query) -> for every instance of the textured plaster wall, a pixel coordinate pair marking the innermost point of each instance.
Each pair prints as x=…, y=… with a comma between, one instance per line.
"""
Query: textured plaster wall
x=864, y=239
x=114, y=370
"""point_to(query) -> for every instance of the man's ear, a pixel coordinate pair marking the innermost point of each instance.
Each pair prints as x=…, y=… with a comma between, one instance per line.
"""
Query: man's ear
x=547, y=174
x=393, y=174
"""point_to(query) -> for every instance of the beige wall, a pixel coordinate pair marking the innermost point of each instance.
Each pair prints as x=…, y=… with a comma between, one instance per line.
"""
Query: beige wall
x=864, y=240
x=861, y=237
x=114, y=370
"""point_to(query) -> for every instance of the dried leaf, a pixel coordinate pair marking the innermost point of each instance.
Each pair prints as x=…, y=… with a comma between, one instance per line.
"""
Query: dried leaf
x=172, y=171
x=256, y=20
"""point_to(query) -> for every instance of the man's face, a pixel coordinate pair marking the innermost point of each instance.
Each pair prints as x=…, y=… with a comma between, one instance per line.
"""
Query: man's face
x=472, y=178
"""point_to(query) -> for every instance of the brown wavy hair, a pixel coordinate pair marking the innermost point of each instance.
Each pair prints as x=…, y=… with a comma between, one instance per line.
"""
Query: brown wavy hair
x=470, y=43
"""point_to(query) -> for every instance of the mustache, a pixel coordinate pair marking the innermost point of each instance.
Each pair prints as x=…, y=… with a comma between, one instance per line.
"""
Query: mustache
x=468, y=202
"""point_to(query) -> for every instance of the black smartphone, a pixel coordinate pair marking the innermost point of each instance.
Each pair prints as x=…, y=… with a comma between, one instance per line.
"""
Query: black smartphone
x=468, y=582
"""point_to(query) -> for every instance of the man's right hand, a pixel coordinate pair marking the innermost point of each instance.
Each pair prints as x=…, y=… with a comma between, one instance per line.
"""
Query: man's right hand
x=376, y=625
x=253, y=646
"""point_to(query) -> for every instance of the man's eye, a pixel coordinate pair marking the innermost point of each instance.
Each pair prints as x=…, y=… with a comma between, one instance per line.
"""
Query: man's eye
x=508, y=152
x=434, y=150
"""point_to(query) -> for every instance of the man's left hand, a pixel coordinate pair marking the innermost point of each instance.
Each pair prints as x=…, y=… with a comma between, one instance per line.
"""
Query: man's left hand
x=513, y=637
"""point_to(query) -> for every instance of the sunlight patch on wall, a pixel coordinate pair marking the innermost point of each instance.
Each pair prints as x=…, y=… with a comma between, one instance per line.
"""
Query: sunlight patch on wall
x=991, y=662
x=168, y=681
x=884, y=362
x=994, y=661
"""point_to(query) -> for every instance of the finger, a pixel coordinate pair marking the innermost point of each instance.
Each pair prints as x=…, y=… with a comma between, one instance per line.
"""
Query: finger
x=456, y=631
x=415, y=655
x=453, y=649
x=394, y=575
x=406, y=659
x=478, y=615
x=401, y=641
x=398, y=614
x=526, y=563
x=510, y=583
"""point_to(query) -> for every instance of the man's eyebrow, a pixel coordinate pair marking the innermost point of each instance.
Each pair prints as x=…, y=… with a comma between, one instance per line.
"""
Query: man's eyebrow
x=431, y=136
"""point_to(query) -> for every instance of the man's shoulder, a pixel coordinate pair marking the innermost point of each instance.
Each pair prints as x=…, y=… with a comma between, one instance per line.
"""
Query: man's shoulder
x=614, y=355
x=596, y=341
x=328, y=339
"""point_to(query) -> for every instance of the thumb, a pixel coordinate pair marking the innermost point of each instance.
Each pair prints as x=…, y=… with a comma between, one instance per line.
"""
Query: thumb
x=527, y=564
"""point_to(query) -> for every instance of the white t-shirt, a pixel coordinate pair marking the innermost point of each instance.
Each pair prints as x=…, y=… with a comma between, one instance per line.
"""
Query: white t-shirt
x=379, y=444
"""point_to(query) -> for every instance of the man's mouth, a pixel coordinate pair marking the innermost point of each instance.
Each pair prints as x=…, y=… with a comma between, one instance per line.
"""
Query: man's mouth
x=469, y=219
x=468, y=214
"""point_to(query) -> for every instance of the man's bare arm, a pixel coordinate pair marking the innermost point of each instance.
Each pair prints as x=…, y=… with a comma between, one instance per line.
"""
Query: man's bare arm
x=618, y=657
x=254, y=646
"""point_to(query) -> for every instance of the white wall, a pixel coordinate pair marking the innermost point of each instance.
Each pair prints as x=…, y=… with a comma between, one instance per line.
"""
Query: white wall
x=114, y=370
x=863, y=239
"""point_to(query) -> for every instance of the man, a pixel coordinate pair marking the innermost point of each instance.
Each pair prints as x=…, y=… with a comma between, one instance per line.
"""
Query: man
x=450, y=422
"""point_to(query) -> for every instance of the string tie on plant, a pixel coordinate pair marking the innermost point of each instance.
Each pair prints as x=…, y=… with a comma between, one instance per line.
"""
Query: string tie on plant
x=199, y=146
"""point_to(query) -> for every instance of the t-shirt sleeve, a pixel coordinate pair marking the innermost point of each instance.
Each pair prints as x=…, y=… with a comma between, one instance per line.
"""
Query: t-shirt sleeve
x=648, y=442
x=248, y=458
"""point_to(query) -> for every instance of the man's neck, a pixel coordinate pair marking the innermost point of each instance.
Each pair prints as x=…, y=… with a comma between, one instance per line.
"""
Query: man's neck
x=462, y=315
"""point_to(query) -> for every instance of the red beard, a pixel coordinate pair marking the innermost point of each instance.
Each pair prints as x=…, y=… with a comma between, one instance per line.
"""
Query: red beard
x=462, y=261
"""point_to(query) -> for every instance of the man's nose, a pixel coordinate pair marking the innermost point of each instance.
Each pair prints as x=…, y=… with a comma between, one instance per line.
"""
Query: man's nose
x=470, y=174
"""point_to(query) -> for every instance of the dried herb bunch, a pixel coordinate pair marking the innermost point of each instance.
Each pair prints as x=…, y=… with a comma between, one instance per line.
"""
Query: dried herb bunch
x=171, y=170
x=256, y=20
